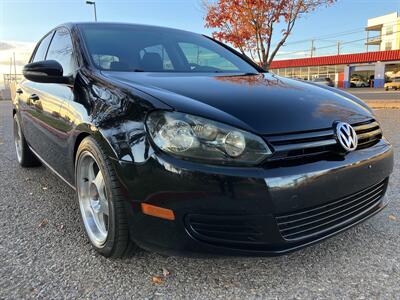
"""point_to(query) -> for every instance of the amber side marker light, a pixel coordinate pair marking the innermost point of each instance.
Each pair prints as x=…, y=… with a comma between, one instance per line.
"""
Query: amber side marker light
x=156, y=211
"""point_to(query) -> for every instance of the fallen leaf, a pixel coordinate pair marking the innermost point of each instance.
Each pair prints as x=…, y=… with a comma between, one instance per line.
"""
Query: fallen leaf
x=157, y=279
x=60, y=227
x=43, y=223
x=165, y=272
x=392, y=217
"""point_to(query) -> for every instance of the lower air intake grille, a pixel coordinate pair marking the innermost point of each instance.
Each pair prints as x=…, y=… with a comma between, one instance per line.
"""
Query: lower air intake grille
x=224, y=229
x=322, y=219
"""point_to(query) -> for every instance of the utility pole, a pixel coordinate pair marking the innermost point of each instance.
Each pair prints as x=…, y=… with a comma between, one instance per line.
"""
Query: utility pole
x=15, y=67
x=11, y=63
x=338, y=47
x=312, y=48
x=94, y=8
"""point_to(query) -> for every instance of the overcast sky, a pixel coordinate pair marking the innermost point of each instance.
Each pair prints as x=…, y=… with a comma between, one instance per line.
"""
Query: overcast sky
x=23, y=22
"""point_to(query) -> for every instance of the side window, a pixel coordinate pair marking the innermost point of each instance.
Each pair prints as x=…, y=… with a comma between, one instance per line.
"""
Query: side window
x=61, y=50
x=202, y=57
x=40, y=53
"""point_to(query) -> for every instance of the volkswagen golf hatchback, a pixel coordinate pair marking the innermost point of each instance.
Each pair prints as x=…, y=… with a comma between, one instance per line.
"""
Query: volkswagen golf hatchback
x=176, y=143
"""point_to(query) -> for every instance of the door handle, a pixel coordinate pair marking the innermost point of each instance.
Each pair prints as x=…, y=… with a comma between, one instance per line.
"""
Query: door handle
x=33, y=98
x=19, y=91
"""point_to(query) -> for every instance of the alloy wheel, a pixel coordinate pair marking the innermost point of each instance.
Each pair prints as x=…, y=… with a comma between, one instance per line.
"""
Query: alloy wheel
x=93, y=200
x=18, y=139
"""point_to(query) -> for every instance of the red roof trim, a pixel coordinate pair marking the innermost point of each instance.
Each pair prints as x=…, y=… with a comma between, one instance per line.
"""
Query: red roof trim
x=338, y=59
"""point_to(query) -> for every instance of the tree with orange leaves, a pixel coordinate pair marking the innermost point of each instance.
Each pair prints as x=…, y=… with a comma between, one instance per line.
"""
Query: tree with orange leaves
x=249, y=24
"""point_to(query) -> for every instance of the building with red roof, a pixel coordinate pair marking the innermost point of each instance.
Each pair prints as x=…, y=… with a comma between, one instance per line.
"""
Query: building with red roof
x=360, y=69
x=371, y=69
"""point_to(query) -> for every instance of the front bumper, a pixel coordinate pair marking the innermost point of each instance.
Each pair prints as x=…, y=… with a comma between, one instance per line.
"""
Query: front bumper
x=253, y=211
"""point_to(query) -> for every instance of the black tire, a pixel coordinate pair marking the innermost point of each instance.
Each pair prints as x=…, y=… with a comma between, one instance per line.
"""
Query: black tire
x=117, y=243
x=26, y=158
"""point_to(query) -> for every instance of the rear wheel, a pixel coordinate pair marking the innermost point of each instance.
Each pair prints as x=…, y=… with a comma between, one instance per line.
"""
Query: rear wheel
x=101, y=202
x=25, y=156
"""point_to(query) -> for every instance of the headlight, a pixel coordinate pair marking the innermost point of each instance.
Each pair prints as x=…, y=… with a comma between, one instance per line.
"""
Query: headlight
x=196, y=138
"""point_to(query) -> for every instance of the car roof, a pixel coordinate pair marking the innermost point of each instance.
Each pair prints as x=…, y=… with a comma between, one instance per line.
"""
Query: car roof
x=122, y=24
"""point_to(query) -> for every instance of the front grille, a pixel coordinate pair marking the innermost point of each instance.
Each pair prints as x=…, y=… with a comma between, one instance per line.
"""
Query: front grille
x=368, y=133
x=322, y=219
x=321, y=142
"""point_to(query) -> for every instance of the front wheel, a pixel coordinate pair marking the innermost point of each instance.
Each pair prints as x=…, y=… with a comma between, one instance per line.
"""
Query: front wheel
x=101, y=202
x=25, y=156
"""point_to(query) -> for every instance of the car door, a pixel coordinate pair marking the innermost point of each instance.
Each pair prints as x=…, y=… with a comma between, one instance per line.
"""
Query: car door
x=46, y=126
x=26, y=89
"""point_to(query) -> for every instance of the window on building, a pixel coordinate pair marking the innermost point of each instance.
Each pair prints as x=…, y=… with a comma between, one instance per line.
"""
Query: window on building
x=388, y=46
x=314, y=72
x=389, y=30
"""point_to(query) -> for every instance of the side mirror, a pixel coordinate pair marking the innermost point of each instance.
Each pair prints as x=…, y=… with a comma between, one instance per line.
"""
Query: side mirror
x=46, y=71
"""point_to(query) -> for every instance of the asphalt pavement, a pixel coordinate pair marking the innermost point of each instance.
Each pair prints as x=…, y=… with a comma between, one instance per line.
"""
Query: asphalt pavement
x=44, y=253
x=374, y=94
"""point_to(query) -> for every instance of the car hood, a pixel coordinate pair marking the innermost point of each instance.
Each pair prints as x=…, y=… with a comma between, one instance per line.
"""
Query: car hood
x=261, y=103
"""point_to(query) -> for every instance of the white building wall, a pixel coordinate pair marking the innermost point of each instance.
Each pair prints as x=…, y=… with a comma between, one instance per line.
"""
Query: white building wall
x=390, y=30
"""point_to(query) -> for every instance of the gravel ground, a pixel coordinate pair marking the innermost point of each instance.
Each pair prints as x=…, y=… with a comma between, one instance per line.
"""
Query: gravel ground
x=44, y=253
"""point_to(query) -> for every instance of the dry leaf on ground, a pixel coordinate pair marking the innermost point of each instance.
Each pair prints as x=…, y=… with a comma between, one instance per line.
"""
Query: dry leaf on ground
x=165, y=272
x=157, y=279
x=43, y=223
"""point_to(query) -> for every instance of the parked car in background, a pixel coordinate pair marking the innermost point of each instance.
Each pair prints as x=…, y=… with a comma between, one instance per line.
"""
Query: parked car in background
x=393, y=84
x=177, y=143
x=358, y=82
x=324, y=81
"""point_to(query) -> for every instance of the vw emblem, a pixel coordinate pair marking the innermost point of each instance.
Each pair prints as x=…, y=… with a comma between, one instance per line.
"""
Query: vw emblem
x=346, y=136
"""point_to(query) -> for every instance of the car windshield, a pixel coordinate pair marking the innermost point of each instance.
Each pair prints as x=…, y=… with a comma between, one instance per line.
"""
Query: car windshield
x=135, y=48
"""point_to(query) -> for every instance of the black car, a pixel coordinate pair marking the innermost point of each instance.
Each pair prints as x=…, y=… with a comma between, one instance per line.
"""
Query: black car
x=177, y=143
